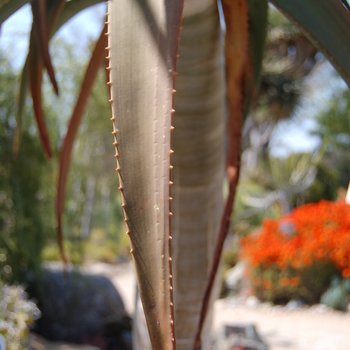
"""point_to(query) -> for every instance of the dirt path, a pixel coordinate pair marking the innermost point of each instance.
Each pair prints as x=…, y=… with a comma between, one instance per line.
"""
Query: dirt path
x=315, y=328
x=301, y=329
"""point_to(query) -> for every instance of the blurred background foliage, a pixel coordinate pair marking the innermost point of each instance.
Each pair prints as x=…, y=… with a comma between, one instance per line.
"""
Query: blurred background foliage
x=272, y=186
x=93, y=220
x=298, y=256
x=26, y=211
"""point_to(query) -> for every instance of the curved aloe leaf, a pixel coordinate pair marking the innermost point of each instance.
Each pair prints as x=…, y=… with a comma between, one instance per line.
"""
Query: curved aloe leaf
x=96, y=60
x=198, y=174
x=38, y=56
x=327, y=24
x=38, y=53
x=57, y=13
x=40, y=29
x=53, y=10
x=143, y=42
x=70, y=9
x=236, y=52
x=8, y=8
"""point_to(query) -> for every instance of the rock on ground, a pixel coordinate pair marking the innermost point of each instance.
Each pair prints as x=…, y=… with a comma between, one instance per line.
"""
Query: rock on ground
x=82, y=308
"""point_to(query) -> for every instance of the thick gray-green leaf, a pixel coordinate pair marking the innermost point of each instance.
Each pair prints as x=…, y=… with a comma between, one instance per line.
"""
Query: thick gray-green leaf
x=346, y=4
x=143, y=43
x=71, y=9
x=327, y=24
x=8, y=8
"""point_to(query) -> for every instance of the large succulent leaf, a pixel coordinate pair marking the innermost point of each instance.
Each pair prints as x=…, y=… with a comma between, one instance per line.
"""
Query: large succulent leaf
x=237, y=53
x=8, y=8
x=96, y=60
x=327, y=24
x=143, y=43
x=198, y=174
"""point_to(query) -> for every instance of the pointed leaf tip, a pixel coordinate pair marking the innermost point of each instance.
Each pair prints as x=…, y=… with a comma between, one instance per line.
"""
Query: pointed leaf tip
x=41, y=34
x=35, y=74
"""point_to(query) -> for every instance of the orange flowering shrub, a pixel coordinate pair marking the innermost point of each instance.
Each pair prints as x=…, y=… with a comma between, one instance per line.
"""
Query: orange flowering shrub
x=297, y=255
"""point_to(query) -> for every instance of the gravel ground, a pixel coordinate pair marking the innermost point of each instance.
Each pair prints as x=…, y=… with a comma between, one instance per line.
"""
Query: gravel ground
x=315, y=328
x=299, y=328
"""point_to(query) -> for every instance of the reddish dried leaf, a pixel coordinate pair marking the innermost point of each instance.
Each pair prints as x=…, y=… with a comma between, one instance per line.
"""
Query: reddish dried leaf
x=40, y=31
x=35, y=74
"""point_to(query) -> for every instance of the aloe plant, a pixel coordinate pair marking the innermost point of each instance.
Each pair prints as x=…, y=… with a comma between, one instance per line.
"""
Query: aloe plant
x=177, y=258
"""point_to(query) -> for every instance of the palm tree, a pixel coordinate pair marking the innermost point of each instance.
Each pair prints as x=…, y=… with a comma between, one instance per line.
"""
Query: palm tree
x=177, y=290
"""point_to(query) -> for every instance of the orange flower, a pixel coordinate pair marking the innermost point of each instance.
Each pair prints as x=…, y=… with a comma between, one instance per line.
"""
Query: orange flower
x=294, y=281
x=257, y=281
x=346, y=272
x=296, y=264
x=267, y=284
x=284, y=282
x=321, y=232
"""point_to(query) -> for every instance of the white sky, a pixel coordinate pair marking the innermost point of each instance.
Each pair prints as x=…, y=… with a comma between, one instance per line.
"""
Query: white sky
x=80, y=30
x=294, y=135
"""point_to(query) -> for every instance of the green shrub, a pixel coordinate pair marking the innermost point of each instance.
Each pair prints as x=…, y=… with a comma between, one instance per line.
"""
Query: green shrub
x=297, y=256
x=26, y=208
x=338, y=295
x=281, y=286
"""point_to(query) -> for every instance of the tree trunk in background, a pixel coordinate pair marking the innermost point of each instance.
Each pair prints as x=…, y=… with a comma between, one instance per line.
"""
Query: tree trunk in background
x=199, y=158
